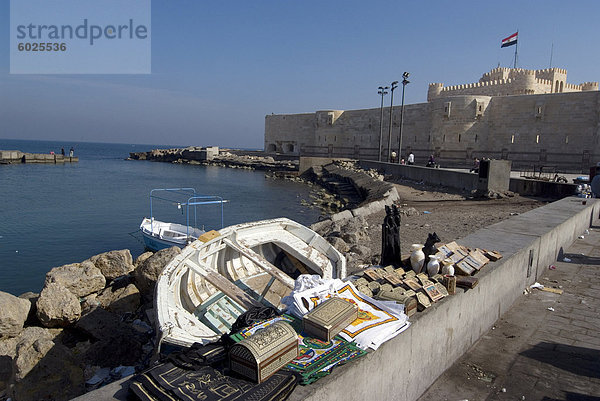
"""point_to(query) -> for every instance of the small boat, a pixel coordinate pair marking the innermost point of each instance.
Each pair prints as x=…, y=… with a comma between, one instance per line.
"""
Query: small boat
x=203, y=290
x=159, y=234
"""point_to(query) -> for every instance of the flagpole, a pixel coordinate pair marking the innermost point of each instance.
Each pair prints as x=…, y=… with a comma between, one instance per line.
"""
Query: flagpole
x=516, y=47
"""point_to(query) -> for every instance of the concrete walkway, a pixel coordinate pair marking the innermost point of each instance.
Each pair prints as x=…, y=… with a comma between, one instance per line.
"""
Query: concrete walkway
x=532, y=352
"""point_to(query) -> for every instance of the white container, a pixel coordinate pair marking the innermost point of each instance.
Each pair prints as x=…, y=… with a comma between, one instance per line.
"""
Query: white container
x=447, y=267
x=433, y=267
x=417, y=257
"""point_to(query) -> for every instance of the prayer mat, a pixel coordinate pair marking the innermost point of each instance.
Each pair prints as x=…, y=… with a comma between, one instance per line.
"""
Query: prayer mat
x=316, y=357
x=167, y=382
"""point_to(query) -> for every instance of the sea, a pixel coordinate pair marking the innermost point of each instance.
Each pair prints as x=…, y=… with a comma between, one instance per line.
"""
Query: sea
x=56, y=214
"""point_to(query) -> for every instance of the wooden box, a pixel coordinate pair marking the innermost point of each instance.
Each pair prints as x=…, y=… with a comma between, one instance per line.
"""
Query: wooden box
x=329, y=318
x=262, y=354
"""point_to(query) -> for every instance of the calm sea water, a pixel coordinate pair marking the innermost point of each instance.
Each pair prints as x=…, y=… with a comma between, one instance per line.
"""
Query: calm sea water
x=52, y=215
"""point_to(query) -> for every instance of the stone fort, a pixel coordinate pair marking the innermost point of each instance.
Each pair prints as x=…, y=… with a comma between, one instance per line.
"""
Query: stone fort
x=532, y=117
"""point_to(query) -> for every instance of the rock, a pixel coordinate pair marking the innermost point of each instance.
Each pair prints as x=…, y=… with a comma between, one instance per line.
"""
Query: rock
x=140, y=259
x=13, y=313
x=361, y=250
x=90, y=302
x=338, y=244
x=8, y=350
x=32, y=297
x=120, y=300
x=114, y=342
x=114, y=264
x=57, y=306
x=148, y=271
x=80, y=278
x=44, y=368
x=33, y=345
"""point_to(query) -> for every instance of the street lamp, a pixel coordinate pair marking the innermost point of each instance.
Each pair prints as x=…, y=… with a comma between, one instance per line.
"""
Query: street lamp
x=382, y=91
x=389, y=152
x=404, y=82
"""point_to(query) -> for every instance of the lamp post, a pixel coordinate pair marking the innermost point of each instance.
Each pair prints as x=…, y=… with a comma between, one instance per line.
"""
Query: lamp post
x=382, y=91
x=404, y=82
x=389, y=152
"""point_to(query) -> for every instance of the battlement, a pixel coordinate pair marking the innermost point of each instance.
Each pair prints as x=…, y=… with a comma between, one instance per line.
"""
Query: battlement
x=503, y=81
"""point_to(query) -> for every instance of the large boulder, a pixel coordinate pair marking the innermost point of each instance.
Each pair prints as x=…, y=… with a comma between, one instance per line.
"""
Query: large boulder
x=57, y=306
x=13, y=313
x=148, y=271
x=8, y=350
x=120, y=299
x=114, y=342
x=114, y=264
x=140, y=259
x=32, y=297
x=80, y=278
x=45, y=369
x=338, y=244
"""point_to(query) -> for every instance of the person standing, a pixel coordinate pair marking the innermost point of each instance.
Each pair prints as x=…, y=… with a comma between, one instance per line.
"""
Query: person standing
x=62, y=151
x=411, y=158
x=71, y=152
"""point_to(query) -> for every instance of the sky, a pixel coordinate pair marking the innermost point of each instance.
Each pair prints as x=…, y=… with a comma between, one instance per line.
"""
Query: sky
x=218, y=67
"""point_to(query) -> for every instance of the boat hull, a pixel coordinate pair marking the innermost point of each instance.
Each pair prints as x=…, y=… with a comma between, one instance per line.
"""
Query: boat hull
x=247, y=264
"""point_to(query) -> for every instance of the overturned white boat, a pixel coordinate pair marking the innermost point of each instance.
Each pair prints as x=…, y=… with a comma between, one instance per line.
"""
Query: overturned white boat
x=202, y=291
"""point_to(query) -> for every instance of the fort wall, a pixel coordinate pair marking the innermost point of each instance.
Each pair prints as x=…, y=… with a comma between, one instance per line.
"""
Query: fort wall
x=461, y=122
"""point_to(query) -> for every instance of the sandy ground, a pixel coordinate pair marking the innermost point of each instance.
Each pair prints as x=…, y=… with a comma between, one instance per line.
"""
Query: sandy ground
x=451, y=215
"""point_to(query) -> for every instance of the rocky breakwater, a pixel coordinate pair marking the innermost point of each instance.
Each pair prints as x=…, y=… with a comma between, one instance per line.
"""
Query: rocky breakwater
x=91, y=323
x=221, y=158
x=348, y=230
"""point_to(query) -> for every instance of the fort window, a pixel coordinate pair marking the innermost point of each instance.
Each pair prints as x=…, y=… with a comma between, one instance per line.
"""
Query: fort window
x=556, y=87
x=512, y=139
x=429, y=138
x=537, y=138
x=447, y=108
x=289, y=147
x=476, y=137
x=459, y=136
x=415, y=138
x=444, y=140
x=567, y=139
x=335, y=138
x=561, y=86
x=271, y=147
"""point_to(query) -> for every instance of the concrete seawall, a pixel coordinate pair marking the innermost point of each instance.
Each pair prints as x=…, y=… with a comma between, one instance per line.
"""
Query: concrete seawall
x=17, y=157
x=468, y=181
x=403, y=368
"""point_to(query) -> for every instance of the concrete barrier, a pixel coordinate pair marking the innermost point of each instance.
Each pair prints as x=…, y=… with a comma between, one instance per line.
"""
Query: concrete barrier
x=404, y=367
x=468, y=181
x=436, y=176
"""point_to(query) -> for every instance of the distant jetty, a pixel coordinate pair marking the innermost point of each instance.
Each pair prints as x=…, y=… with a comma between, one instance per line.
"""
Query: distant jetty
x=213, y=156
x=17, y=157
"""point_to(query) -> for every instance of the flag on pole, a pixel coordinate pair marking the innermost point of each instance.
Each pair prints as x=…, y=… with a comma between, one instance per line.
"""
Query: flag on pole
x=511, y=40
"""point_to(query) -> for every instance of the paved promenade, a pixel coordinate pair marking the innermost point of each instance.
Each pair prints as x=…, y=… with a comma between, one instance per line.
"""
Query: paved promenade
x=546, y=347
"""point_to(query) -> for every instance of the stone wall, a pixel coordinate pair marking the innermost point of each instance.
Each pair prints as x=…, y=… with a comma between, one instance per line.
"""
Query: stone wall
x=559, y=129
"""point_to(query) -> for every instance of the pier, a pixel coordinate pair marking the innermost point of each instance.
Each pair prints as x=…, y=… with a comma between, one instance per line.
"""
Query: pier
x=16, y=157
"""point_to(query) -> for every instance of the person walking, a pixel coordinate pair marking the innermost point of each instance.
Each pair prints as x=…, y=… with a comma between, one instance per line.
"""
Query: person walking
x=411, y=158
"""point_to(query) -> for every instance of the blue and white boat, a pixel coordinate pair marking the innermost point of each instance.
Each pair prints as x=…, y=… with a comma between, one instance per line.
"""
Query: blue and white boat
x=159, y=234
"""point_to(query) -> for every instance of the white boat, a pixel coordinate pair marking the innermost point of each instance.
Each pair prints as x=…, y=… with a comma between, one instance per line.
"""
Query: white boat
x=159, y=234
x=202, y=291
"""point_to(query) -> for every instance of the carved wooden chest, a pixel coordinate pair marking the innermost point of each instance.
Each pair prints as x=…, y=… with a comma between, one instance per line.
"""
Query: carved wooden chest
x=262, y=354
x=329, y=318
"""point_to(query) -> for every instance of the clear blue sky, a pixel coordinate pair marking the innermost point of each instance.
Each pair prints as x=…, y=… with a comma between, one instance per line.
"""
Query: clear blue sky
x=218, y=67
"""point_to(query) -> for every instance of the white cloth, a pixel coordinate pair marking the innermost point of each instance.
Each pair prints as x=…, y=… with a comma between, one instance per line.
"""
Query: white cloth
x=411, y=158
x=378, y=322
